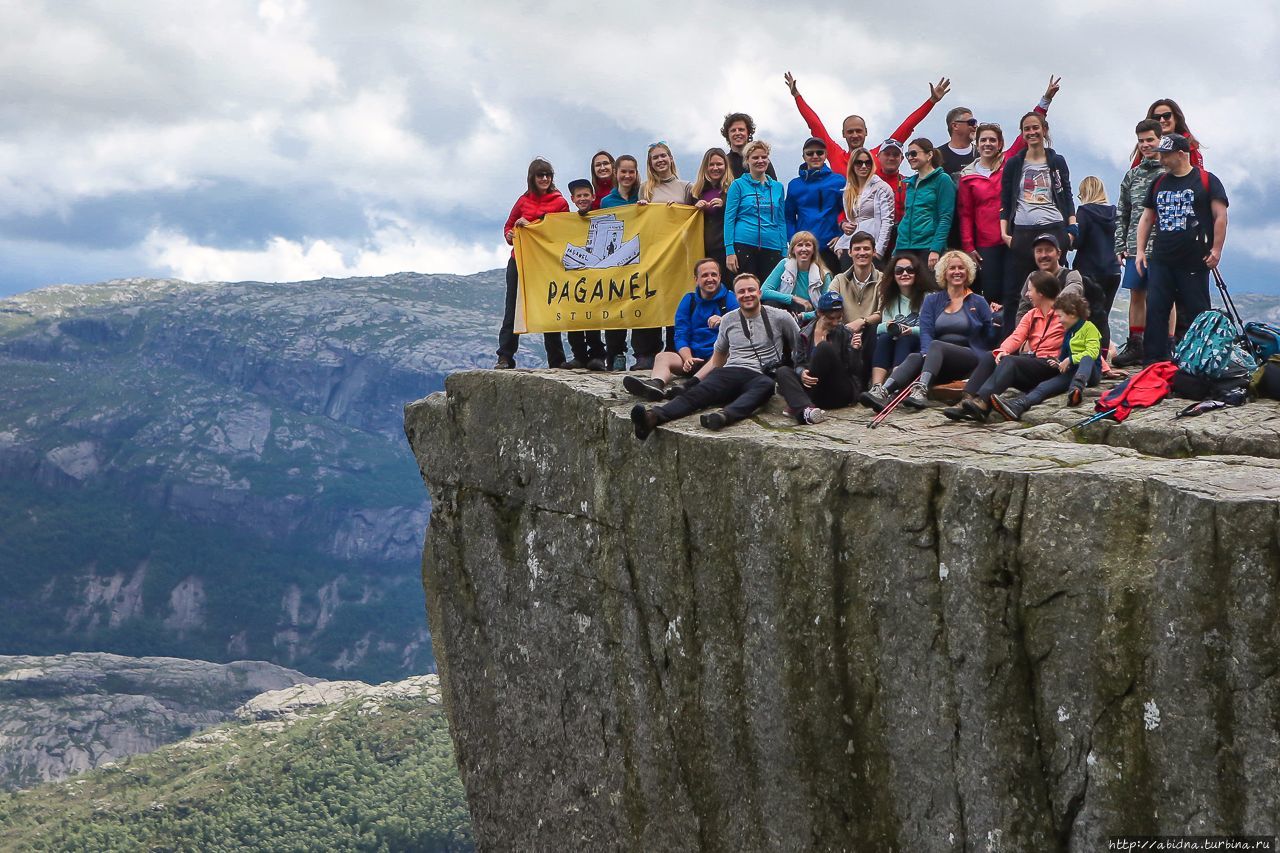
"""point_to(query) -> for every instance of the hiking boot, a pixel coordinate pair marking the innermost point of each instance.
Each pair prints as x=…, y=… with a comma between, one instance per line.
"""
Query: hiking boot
x=962, y=412
x=645, y=420
x=976, y=408
x=714, y=420
x=917, y=398
x=558, y=364
x=1076, y=395
x=643, y=362
x=596, y=364
x=619, y=364
x=1010, y=409
x=504, y=364
x=1129, y=354
x=814, y=415
x=649, y=389
x=574, y=363
x=674, y=390
x=875, y=398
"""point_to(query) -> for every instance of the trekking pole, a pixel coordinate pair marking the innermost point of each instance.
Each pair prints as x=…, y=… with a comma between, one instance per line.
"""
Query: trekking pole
x=1234, y=313
x=893, y=404
x=1091, y=419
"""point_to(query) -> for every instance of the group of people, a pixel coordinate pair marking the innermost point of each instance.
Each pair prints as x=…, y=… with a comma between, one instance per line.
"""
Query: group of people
x=856, y=282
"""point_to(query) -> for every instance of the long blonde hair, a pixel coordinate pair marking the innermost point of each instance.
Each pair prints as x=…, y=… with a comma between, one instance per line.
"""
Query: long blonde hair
x=801, y=236
x=1092, y=191
x=701, y=181
x=650, y=179
x=853, y=189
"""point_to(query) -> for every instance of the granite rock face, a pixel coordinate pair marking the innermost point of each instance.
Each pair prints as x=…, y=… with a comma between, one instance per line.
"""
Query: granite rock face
x=927, y=637
x=63, y=714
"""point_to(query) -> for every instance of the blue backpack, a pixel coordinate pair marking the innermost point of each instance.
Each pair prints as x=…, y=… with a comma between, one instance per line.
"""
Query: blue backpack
x=1265, y=339
x=1211, y=348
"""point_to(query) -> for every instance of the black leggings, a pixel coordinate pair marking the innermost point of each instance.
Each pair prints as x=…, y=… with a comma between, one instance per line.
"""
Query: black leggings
x=1020, y=371
x=756, y=260
x=944, y=363
x=739, y=390
x=836, y=387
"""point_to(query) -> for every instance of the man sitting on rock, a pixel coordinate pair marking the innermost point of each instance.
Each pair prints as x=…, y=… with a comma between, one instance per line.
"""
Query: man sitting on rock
x=697, y=324
x=753, y=342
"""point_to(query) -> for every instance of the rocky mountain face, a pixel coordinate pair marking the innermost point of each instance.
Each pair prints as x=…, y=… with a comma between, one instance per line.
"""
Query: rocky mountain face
x=927, y=637
x=341, y=766
x=66, y=714
x=216, y=470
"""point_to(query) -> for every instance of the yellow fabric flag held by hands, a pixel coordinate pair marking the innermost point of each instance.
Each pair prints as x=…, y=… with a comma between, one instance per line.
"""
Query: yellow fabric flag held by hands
x=621, y=268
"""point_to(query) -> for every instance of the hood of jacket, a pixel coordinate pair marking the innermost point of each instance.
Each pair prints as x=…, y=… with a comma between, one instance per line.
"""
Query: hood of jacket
x=807, y=174
x=721, y=293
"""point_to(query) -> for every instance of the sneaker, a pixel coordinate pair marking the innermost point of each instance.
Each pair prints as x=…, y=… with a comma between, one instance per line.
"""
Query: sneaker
x=645, y=420
x=619, y=364
x=649, y=389
x=875, y=398
x=1129, y=354
x=1075, y=395
x=956, y=413
x=674, y=390
x=644, y=362
x=504, y=364
x=714, y=420
x=574, y=363
x=596, y=364
x=1010, y=409
x=814, y=415
x=918, y=398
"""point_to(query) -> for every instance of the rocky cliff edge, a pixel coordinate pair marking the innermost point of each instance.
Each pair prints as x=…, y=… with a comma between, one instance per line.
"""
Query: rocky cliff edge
x=927, y=637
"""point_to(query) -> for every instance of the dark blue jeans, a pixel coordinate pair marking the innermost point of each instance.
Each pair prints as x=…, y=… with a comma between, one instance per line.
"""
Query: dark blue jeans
x=1087, y=372
x=891, y=351
x=508, y=340
x=739, y=390
x=1168, y=286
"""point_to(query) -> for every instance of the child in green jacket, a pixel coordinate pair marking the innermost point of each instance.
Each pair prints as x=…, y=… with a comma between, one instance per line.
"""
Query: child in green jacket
x=1078, y=363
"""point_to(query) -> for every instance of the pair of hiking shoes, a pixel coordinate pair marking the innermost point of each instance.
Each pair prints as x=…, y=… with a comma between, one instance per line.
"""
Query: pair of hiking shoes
x=877, y=398
x=645, y=420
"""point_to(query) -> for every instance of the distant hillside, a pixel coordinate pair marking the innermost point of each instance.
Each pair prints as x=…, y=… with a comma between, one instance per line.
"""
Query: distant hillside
x=218, y=471
x=334, y=767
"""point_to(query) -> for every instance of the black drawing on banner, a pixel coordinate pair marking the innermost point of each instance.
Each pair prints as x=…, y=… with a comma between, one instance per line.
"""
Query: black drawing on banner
x=604, y=247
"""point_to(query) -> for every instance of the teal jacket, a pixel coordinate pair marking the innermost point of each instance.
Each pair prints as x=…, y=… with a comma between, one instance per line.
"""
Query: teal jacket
x=772, y=292
x=927, y=212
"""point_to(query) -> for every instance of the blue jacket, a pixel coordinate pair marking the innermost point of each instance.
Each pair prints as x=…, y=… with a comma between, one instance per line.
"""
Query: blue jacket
x=691, y=320
x=753, y=215
x=615, y=199
x=814, y=202
x=976, y=310
x=927, y=212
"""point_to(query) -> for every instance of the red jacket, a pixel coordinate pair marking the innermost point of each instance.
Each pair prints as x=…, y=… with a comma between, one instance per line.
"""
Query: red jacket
x=838, y=154
x=1036, y=335
x=533, y=208
x=604, y=189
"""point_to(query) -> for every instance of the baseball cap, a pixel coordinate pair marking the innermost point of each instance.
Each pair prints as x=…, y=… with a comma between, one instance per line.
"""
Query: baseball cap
x=830, y=301
x=891, y=143
x=1047, y=238
x=815, y=142
x=1174, y=142
x=580, y=184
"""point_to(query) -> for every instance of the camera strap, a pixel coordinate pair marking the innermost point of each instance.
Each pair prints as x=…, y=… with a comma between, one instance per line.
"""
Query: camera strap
x=768, y=331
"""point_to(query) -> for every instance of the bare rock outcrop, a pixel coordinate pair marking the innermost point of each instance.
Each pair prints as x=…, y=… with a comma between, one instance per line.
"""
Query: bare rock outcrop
x=927, y=637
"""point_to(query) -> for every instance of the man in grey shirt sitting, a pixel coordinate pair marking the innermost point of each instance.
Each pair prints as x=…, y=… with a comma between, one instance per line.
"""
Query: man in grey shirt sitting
x=753, y=342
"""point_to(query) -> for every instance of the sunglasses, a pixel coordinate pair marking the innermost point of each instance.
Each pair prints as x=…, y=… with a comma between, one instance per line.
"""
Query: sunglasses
x=904, y=270
x=911, y=155
x=543, y=175
x=972, y=122
x=866, y=164
x=1165, y=116
x=815, y=153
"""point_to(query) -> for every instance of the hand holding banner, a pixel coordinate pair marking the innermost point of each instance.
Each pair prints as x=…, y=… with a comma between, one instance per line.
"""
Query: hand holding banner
x=621, y=268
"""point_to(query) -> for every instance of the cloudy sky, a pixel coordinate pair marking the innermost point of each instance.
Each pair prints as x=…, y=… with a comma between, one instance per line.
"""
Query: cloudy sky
x=291, y=139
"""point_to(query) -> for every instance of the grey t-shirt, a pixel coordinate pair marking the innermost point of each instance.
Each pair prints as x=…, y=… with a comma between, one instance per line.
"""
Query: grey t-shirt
x=1035, y=197
x=952, y=328
x=754, y=350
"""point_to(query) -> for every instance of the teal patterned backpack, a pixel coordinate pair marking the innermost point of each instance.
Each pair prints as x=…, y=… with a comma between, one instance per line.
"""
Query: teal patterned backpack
x=1211, y=347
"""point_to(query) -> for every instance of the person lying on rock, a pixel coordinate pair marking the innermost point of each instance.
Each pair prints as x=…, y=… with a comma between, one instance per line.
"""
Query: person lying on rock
x=828, y=371
x=754, y=342
x=697, y=325
x=1077, y=364
x=1026, y=358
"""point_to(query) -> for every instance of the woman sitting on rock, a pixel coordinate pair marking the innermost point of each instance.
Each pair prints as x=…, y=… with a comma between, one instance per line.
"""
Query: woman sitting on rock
x=955, y=325
x=902, y=291
x=1025, y=358
x=828, y=365
x=799, y=278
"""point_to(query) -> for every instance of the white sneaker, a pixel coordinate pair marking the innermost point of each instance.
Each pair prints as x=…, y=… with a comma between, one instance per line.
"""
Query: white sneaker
x=814, y=415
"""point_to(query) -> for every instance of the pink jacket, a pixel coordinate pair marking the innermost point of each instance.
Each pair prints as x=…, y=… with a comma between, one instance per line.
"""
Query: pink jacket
x=1037, y=334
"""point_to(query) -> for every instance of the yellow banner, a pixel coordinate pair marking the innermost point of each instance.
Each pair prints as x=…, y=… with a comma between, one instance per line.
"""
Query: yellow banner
x=621, y=268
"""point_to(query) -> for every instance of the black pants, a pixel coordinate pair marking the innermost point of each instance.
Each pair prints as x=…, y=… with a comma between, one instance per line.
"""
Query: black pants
x=553, y=343
x=508, y=340
x=738, y=390
x=836, y=387
x=646, y=343
x=1020, y=263
x=615, y=344
x=990, y=281
x=944, y=363
x=757, y=261
x=1086, y=373
x=587, y=345
x=1110, y=285
x=1023, y=372
x=830, y=259
x=1168, y=286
